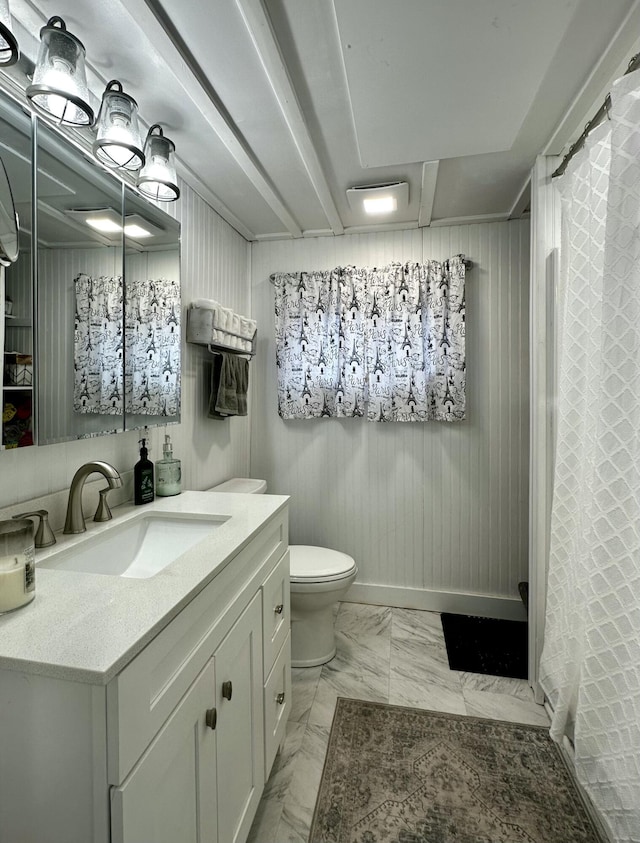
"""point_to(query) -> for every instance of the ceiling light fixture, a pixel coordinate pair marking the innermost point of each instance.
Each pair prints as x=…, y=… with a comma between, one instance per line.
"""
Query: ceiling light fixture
x=59, y=87
x=105, y=220
x=380, y=204
x=9, y=52
x=132, y=229
x=118, y=144
x=138, y=227
x=157, y=179
x=379, y=199
x=104, y=224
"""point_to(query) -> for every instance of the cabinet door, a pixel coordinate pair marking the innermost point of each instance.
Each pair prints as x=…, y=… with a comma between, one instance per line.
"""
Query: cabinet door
x=170, y=795
x=239, y=735
x=276, y=616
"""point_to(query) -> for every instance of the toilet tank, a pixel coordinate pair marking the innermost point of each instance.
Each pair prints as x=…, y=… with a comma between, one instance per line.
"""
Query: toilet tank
x=244, y=485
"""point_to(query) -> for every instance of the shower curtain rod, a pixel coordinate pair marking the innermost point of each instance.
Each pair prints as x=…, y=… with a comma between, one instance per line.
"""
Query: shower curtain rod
x=468, y=265
x=598, y=117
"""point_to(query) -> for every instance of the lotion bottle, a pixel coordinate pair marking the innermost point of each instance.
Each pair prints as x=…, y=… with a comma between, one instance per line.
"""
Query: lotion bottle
x=168, y=471
x=143, y=477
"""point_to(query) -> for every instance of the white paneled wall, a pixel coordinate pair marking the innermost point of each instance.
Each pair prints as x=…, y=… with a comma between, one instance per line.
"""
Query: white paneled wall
x=436, y=507
x=214, y=264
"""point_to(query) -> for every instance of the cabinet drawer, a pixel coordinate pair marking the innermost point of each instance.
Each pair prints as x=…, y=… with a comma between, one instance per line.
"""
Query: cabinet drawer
x=277, y=704
x=143, y=695
x=276, y=617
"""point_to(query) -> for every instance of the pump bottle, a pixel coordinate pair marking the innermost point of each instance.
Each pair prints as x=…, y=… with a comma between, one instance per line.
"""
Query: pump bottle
x=143, y=477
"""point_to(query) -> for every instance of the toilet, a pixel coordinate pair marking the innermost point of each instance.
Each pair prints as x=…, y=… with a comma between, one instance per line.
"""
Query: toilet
x=319, y=578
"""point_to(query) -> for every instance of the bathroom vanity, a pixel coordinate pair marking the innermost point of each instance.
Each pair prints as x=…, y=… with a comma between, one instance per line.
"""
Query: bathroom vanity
x=149, y=710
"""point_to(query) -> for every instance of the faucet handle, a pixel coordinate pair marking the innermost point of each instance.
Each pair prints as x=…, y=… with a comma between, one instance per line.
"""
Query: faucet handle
x=44, y=534
x=103, y=513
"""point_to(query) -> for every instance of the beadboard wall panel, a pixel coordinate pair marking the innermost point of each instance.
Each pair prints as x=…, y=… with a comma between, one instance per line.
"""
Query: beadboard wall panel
x=431, y=506
x=215, y=263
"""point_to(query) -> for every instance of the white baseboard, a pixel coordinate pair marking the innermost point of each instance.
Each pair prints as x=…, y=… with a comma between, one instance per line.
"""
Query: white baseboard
x=459, y=603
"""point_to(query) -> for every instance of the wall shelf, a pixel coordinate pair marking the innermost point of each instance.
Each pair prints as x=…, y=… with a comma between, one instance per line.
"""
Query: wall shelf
x=218, y=348
x=18, y=322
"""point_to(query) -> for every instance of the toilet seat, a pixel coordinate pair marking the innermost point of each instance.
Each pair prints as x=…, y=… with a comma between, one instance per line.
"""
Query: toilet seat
x=319, y=564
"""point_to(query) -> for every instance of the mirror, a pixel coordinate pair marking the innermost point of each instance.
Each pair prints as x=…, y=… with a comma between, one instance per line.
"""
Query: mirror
x=80, y=319
x=106, y=340
x=9, y=248
x=152, y=314
x=16, y=333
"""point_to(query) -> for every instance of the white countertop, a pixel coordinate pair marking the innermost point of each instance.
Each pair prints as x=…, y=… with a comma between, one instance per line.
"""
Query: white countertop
x=87, y=627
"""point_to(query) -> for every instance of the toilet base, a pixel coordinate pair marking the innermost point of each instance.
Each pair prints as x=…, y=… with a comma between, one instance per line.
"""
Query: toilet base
x=313, y=662
x=313, y=640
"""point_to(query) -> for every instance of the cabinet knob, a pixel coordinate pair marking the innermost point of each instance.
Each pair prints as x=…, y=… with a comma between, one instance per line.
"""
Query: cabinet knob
x=227, y=690
x=280, y=698
x=211, y=718
x=279, y=609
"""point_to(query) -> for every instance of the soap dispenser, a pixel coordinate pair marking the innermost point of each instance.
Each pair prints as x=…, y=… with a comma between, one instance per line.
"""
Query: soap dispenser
x=143, y=477
x=168, y=471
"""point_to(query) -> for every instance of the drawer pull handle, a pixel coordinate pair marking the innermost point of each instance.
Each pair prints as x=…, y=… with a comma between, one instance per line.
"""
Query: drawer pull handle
x=227, y=690
x=279, y=609
x=280, y=698
x=211, y=718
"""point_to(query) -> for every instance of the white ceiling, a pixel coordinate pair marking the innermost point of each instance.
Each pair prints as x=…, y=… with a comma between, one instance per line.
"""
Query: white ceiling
x=278, y=106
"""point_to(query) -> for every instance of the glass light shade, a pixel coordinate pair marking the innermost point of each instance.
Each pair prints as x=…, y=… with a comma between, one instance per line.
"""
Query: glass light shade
x=157, y=179
x=59, y=87
x=118, y=143
x=9, y=52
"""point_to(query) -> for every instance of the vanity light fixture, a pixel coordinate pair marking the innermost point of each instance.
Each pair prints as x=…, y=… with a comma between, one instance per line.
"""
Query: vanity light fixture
x=9, y=52
x=379, y=199
x=118, y=144
x=157, y=179
x=59, y=87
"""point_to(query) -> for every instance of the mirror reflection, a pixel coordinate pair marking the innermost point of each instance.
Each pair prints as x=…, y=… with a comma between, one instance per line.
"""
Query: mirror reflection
x=103, y=352
x=80, y=323
x=108, y=279
x=152, y=314
x=16, y=332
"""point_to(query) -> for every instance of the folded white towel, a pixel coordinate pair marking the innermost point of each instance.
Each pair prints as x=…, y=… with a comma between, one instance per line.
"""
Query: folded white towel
x=247, y=327
x=223, y=318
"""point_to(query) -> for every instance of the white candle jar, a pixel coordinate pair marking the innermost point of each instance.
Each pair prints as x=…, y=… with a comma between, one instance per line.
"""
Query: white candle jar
x=17, y=565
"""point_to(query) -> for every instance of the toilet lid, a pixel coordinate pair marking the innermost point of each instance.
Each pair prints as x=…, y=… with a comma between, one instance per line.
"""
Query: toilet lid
x=318, y=564
x=243, y=485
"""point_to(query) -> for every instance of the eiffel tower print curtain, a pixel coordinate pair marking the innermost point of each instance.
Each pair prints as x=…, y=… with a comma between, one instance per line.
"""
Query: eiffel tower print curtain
x=386, y=344
x=150, y=347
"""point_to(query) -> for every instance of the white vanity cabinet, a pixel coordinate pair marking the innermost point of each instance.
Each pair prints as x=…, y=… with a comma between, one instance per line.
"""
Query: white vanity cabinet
x=178, y=745
x=202, y=776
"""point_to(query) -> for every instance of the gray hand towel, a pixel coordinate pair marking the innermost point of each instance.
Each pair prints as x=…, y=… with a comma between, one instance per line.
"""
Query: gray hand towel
x=216, y=368
x=229, y=385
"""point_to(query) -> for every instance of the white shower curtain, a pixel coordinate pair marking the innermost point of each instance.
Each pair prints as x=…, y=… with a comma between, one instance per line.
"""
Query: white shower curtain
x=590, y=666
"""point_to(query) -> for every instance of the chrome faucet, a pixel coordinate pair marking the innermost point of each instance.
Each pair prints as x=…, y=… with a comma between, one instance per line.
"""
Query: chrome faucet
x=74, y=522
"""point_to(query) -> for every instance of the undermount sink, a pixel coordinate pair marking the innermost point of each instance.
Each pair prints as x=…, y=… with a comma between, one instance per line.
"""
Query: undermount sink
x=138, y=548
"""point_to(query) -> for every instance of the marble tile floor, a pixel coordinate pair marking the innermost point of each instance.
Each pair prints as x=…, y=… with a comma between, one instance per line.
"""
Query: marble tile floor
x=384, y=655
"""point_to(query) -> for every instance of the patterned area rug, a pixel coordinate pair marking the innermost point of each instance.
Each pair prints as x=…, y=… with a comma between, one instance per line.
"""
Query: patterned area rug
x=405, y=775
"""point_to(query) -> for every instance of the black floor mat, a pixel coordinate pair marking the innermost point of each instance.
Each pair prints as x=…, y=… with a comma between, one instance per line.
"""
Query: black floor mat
x=486, y=645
